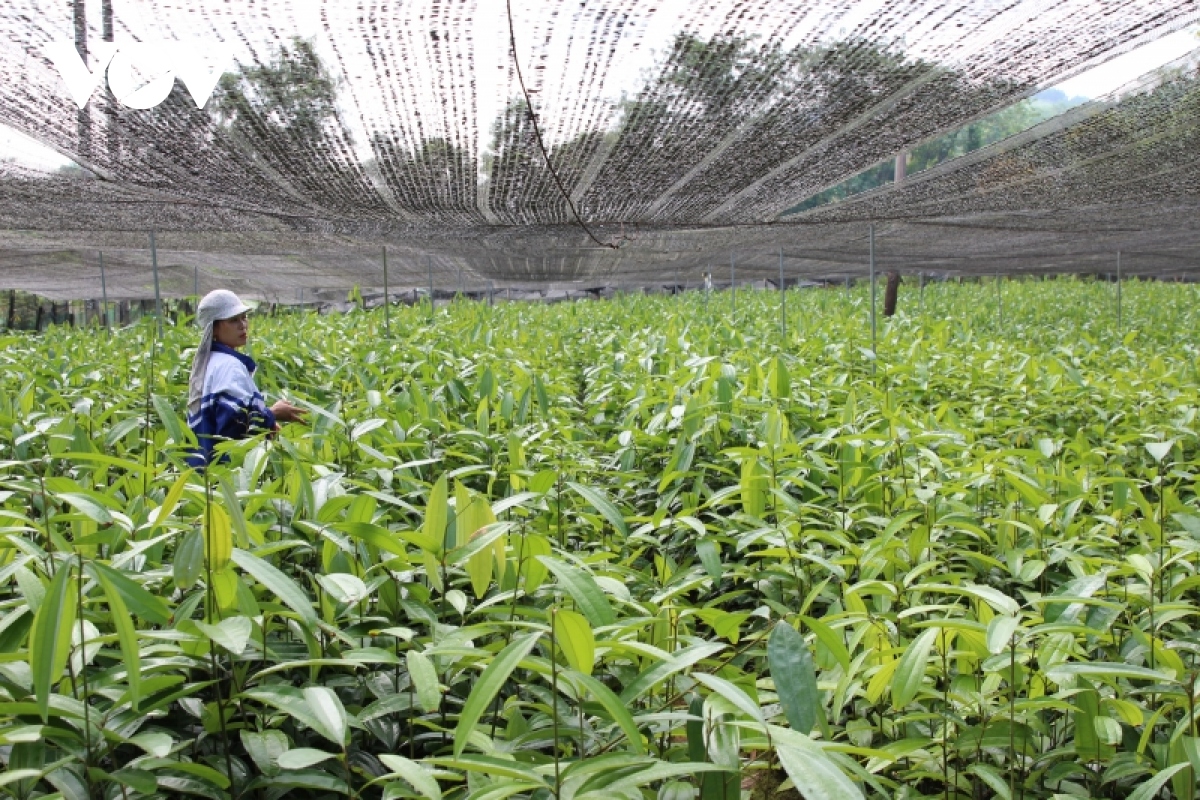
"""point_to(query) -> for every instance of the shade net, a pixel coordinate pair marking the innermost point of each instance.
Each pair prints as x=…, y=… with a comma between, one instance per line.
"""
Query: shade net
x=606, y=142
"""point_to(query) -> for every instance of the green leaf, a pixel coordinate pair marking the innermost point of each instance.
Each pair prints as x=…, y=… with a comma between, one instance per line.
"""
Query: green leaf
x=170, y=421
x=237, y=517
x=164, y=511
x=264, y=748
x=344, y=588
x=673, y=663
x=425, y=681
x=87, y=506
x=1160, y=450
x=316, y=707
x=218, y=537
x=795, y=677
x=231, y=633
x=616, y=708
x=815, y=776
x=1000, y=632
x=733, y=693
x=991, y=776
x=126, y=634
x=329, y=713
x=1105, y=670
x=583, y=590
x=710, y=557
x=1149, y=789
x=910, y=672
x=492, y=766
x=417, y=776
x=50, y=637
x=997, y=599
x=302, y=758
x=488, y=686
x=137, y=599
x=281, y=585
x=831, y=639
x=437, y=514
x=189, y=559
x=599, y=501
x=137, y=779
x=375, y=536
x=576, y=639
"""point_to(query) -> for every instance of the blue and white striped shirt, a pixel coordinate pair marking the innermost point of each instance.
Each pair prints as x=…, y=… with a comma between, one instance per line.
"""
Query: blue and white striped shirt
x=231, y=407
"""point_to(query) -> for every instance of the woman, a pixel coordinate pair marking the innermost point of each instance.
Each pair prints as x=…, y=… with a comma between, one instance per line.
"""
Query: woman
x=223, y=402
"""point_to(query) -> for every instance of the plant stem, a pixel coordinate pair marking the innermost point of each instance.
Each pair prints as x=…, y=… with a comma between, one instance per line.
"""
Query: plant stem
x=554, y=699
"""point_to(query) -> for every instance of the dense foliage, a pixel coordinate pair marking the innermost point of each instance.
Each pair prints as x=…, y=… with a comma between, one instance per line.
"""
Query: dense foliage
x=646, y=547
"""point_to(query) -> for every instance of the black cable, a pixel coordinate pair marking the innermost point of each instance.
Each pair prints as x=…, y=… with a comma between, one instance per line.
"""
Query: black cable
x=512, y=36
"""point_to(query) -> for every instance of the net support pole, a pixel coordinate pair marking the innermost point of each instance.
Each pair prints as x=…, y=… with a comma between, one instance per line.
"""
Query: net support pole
x=872, y=267
x=732, y=287
x=429, y=267
x=196, y=282
x=103, y=290
x=921, y=292
x=999, y=301
x=782, y=299
x=1118, y=292
x=157, y=294
x=387, y=301
x=491, y=293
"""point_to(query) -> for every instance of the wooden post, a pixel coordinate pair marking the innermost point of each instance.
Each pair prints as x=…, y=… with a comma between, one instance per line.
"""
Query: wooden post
x=12, y=308
x=891, y=293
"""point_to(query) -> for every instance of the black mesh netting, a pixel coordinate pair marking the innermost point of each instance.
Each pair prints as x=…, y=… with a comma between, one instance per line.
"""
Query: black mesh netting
x=679, y=131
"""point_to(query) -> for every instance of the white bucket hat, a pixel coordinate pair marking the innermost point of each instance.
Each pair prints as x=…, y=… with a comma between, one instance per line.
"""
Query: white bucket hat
x=217, y=305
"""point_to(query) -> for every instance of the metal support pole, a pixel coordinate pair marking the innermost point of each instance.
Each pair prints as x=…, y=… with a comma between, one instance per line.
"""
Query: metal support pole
x=873, y=351
x=1118, y=292
x=732, y=287
x=387, y=300
x=196, y=283
x=921, y=294
x=491, y=292
x=429, y=264
x=782, y=299
x=103, y=290
x=999, y=301
x=157, y=295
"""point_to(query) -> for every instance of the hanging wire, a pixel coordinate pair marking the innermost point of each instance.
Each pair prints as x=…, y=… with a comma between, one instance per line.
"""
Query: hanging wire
x=512, y=36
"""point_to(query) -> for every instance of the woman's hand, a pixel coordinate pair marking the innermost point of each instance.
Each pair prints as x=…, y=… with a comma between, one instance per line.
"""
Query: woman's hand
x=286, y=412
